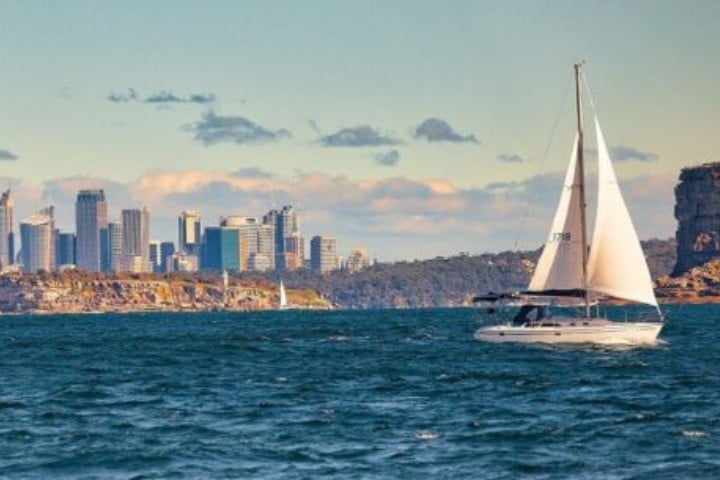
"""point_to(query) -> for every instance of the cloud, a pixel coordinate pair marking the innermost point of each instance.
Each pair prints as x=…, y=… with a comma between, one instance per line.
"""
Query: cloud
x=7, y=155
x=161, y=98
x=387, y=159
x=510, y=158
x=214, y=129
x=130, y=96
x=167, y=97
x=253, y=172
x=437, y=130
x=622, y=154
x=360, y=136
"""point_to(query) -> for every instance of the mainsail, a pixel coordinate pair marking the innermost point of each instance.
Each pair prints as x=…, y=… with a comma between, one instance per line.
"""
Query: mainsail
x=560, y=265
x=616, y=265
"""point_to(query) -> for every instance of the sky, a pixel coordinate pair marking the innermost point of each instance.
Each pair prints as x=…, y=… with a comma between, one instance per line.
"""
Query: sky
x=412, y=128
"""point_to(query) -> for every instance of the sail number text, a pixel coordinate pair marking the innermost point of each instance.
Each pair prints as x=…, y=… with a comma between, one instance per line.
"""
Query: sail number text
x=560, y=237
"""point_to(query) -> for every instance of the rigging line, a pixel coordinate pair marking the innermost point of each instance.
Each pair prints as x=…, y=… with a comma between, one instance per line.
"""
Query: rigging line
x=543, y=160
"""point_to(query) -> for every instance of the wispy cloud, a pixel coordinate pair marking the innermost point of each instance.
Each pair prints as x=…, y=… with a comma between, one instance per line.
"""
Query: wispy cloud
x=622, y=154
x=214, y=129
x=387, y=159
x=7, y=155
x=254, y=172
x=510, y=158
x=161, y=98
x=130, y=96
x=438, y=130
x=360, y=136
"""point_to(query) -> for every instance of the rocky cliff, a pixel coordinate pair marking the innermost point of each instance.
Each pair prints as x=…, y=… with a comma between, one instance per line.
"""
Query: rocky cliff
x=697, y=210
x=72, y=292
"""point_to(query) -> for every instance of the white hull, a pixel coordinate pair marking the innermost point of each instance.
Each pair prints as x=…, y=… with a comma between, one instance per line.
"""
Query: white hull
x=601, y=332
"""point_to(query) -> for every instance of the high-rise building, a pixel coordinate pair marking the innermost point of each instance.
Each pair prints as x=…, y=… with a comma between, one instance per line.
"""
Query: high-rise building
x=111, y=247
x=323, y=254
x=189, y=232
x=136, y=240
x=285, y=222
x=294, y=251
x=154, y=255
x=266, y=245
x=38, y=245
x=64, y=249
x=248, y=228
x=7, y=236
x=222, y=249
x=90, y=217
x=166, y=251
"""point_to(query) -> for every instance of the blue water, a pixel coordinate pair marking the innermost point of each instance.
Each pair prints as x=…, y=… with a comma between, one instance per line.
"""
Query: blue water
x=382, y=394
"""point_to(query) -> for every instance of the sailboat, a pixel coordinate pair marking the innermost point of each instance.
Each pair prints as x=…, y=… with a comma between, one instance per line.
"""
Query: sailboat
x=283, y=298
x=613, y=265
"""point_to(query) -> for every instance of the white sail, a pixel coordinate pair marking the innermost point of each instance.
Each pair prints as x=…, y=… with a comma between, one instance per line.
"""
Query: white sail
x=283, y=297
x=560, y=265
x=616, y=265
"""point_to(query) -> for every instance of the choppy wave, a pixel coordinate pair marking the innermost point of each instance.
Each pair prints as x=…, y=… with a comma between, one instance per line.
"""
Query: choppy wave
x=391, y=394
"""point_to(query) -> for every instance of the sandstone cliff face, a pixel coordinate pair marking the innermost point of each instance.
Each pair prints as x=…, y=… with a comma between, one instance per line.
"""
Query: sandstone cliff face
x=77, y=293
x=697, y=210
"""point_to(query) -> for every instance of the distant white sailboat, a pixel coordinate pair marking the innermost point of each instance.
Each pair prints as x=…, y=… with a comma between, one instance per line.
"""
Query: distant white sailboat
x=613, y=265
x=283, y=298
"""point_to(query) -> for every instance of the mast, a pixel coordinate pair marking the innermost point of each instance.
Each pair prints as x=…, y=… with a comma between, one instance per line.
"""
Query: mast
x=583, y=203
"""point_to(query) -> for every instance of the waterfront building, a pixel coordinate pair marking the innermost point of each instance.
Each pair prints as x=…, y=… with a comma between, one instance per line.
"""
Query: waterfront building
x=155, y=257
x=7, y=236
x=181, y=262
x=38, y=243
x=294, y=251
x=90, y=217
x=222, y=249
x=323, y=253
x=166, y=251
x=266, y=244
x=112, y=247
x=248, y=228
x=259, y=262
x=64, y=249
x=189, y=232
x=286, y=224
x=136, y=240
x=357, y=260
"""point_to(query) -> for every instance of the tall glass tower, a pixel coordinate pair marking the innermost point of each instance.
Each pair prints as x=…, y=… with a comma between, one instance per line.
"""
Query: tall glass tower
x=7, y=237
x=90, y=217
x=136, y=239
x=189, y=232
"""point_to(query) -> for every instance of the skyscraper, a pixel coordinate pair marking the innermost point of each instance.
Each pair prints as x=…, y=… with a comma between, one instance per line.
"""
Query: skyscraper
x=38, y=244
x=90, y=217
x=64, y=248
x=222, y=249
x=115, y=246
x=136, y=240
x=323, y=254
x=166, y=251
x=286, y=225
x=7, y=236
x=189, y=232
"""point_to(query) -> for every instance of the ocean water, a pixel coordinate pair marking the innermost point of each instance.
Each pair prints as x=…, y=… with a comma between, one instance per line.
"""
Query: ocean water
x=372, y=394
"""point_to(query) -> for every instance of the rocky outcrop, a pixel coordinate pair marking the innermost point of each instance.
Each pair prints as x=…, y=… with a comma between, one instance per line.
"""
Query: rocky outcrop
x=695, y=285
x=76, y=293
x=697, y=210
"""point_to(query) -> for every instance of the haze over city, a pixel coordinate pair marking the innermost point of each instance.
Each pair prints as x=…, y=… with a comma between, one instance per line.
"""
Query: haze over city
x=414, y=129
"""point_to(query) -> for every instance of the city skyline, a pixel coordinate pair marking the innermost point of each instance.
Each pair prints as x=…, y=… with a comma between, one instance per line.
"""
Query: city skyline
x=414, y=129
